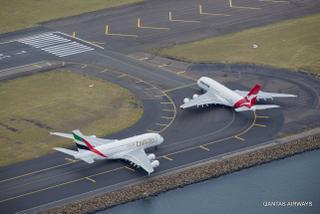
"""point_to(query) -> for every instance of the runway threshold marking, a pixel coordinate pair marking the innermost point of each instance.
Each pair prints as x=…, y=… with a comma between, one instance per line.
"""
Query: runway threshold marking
x=90, y=179
x=167, y=158
x=59, y=185
x=81, y=40
x=179, y=87
x=260, y=125
x=204, y=148
x=117, y=34
x=210, y=14
x=241, y=7
x=139, y=25
x=180, y=20
x=239, y=138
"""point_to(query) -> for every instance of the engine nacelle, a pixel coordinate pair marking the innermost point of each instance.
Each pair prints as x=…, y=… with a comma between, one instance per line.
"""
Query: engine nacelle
x=195, y=96
x=155, y=163
x=185, y=100
x=151, y=156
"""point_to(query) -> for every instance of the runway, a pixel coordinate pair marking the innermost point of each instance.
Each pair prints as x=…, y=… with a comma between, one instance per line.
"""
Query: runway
x=161, y=84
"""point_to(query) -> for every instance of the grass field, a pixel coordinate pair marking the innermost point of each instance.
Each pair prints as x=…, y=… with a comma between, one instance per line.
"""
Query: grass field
x=293, y=44
x=18, y=14
x=62, y=101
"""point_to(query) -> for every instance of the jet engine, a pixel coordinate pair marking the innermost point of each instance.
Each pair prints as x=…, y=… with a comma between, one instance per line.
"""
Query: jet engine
x=155, y=163
x=195, y=96
x=185, y=100
x=93, y=136
x=151, y=156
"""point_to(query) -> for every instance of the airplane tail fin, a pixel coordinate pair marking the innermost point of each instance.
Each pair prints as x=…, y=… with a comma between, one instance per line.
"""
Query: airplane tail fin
x=252, y=95
x=249, y=100
x=79, y=140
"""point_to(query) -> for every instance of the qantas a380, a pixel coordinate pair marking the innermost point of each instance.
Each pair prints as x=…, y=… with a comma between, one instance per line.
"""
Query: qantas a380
x=131, y=149
x=217, y=93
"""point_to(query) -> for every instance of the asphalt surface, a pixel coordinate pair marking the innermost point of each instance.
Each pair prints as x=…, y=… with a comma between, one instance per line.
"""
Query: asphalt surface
x=191, y=135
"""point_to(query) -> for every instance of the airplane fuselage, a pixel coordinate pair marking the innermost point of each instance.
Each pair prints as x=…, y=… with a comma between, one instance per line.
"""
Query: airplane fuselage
x=214, y=87
x=112, y=150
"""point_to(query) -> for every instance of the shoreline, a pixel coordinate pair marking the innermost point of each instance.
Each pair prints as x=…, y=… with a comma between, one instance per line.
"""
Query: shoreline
x=218, y=166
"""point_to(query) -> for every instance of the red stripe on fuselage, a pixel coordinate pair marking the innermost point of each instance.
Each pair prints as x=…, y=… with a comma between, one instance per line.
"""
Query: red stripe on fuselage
x=92, y=149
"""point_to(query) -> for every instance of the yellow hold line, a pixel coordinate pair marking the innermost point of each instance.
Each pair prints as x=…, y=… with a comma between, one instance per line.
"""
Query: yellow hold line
x=239, y=138
x=210, y=14
x=265, y=117
x=90, y=179
x=167, y=158
x=139, y=25
x=260, y=125
x=170, y=110
x=129, y=168
x=232, y=6
x=204, y=148
x=161, y=124
x=168, y=118
x=117, y=34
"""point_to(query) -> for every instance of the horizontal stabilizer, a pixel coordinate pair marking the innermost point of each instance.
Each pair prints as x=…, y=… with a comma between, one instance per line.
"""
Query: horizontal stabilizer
x=75, y=154
x=256, y=107
x=67, y=151
x=65, y=135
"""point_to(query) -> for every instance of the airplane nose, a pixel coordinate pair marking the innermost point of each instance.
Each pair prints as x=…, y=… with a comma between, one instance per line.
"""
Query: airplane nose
x=161, y=139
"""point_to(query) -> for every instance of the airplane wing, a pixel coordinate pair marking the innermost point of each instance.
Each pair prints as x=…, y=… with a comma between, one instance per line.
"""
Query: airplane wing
x=265, y=95
x=140, y=158
x=204, y=99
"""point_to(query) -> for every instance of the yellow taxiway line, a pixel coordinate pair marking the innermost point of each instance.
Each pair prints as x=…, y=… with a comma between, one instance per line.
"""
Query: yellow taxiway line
x=210, y=14
x=139, y=25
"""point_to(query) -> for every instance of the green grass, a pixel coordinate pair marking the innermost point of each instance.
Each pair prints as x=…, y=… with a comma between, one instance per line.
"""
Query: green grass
x=19, y=14
x=61, y=101
x=292, y=44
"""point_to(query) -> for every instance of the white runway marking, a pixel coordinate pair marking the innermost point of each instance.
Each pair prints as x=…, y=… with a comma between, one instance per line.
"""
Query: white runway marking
x=55, y=44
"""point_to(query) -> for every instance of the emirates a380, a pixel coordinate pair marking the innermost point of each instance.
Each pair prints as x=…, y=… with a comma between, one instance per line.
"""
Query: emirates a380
x=216, y=93
x=131, y=149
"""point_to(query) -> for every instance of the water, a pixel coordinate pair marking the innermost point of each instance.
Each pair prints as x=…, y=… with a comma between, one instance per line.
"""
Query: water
x=292, y=179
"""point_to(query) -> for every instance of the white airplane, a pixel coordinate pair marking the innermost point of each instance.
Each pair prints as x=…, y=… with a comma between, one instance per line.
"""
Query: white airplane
x=132, y=149
x=217, y=93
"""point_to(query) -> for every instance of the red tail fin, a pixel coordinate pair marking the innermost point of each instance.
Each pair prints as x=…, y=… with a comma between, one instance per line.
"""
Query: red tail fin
x=250, y=99
x=252, y=95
